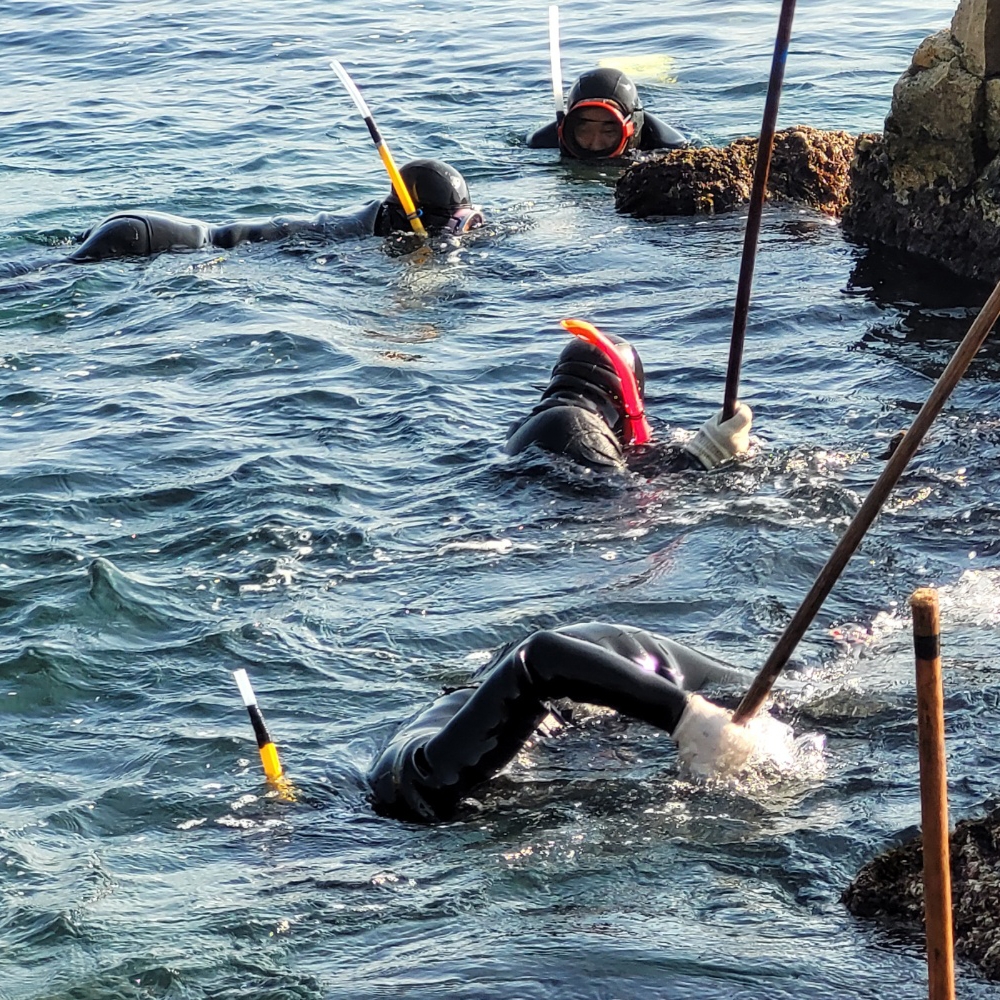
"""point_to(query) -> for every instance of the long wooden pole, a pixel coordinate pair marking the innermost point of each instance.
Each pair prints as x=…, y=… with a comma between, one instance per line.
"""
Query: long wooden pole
x=851, y=539
x=933, y=795
x=757, y=194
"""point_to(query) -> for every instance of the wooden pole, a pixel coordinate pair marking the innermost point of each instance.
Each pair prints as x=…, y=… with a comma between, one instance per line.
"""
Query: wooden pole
x=830, y=573
x=933, y=795
x=757, y=193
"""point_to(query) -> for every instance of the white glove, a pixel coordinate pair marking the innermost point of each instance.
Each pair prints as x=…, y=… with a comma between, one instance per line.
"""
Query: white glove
x=708, y=743
x=719, y=440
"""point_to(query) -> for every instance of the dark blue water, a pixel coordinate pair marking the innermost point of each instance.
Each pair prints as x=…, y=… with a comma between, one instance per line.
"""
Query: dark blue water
x=287, y=458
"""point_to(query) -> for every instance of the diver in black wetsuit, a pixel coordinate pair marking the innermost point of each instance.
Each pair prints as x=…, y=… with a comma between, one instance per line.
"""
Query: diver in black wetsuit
x=605, y=119
x=467, y=735
x=582, y=415
x=439, y=192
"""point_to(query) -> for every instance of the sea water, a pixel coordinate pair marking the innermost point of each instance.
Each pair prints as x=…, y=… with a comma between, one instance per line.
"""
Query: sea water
x=287, y=458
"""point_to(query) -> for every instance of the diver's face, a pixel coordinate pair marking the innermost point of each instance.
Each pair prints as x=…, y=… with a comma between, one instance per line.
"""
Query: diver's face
x=596, y=130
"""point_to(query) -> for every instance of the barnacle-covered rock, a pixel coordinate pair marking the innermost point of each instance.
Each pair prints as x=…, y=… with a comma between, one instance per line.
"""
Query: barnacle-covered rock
x=890, y=889
x=809, y=166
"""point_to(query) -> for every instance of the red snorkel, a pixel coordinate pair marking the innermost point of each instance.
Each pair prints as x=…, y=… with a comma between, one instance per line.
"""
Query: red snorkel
x=637, y=430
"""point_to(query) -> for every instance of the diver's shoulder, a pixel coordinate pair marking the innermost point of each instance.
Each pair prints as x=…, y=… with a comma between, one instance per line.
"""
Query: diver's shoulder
x=657, y=134
x=546, y=137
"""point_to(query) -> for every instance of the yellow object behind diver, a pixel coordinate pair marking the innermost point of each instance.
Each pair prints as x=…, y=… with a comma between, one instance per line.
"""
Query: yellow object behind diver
x=642, y=69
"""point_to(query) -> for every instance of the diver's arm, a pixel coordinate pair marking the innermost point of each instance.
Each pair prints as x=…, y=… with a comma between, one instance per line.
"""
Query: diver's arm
x=423, y=774
x=656, y=458
x=680, y=460
x=686, y=666
x=708, y=742
x=327, y=224
x=567, y=666
x=546, y=137
x=657, y=134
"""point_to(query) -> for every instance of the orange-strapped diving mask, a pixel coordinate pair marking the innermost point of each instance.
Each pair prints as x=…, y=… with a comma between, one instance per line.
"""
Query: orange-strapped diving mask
x=596, y=130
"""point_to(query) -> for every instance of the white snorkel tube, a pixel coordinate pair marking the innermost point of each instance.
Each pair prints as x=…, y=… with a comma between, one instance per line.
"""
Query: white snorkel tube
x=557, y=83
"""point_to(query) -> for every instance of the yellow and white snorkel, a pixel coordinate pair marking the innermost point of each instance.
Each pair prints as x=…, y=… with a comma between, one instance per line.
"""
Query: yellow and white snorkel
x=383, y=150
x=268, y=751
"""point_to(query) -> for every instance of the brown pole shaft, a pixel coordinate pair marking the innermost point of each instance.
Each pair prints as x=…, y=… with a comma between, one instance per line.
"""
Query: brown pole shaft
x=758, y=192
x=933, y=795
x=830, y=573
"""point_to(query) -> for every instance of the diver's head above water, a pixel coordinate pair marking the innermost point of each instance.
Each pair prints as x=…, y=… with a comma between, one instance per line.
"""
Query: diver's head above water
x=593, y=412
x=440, y=195
x=605, y=116
x=584, y=370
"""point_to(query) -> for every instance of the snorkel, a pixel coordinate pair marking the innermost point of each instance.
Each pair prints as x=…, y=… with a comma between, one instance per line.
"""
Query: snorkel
x=637, y=429
x=556, y=63
x=268, y=752
x=402, y=193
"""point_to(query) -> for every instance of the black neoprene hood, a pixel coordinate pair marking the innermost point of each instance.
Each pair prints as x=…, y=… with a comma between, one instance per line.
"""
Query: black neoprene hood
x=438, y=189
x=606, y=85
x=584, y=370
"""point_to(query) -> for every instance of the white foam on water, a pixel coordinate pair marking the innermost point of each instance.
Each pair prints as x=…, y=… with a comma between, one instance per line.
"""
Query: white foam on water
x=500, y=545
x=778, y=755
x=973, y=599
x=781, y=754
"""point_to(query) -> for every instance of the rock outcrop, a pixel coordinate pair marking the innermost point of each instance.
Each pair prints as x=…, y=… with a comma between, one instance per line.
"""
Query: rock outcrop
x=890, y=889
x=931, y=183
x=808, y=166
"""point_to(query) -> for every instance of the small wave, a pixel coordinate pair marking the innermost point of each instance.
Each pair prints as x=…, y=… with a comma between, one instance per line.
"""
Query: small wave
x=114, y=591
x=974, y=599
x=499, y=545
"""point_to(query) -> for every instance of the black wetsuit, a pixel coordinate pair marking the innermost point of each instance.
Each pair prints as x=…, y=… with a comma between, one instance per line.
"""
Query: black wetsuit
x=656, y=134
x=467, y=735
x=580, y=415
x=569, y=424
x=145, y=233
x=438, y=189
x=130, y=234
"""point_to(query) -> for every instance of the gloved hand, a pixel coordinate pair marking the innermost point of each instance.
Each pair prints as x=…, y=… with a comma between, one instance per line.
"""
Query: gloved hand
x=708, y=743
x=719, y=440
